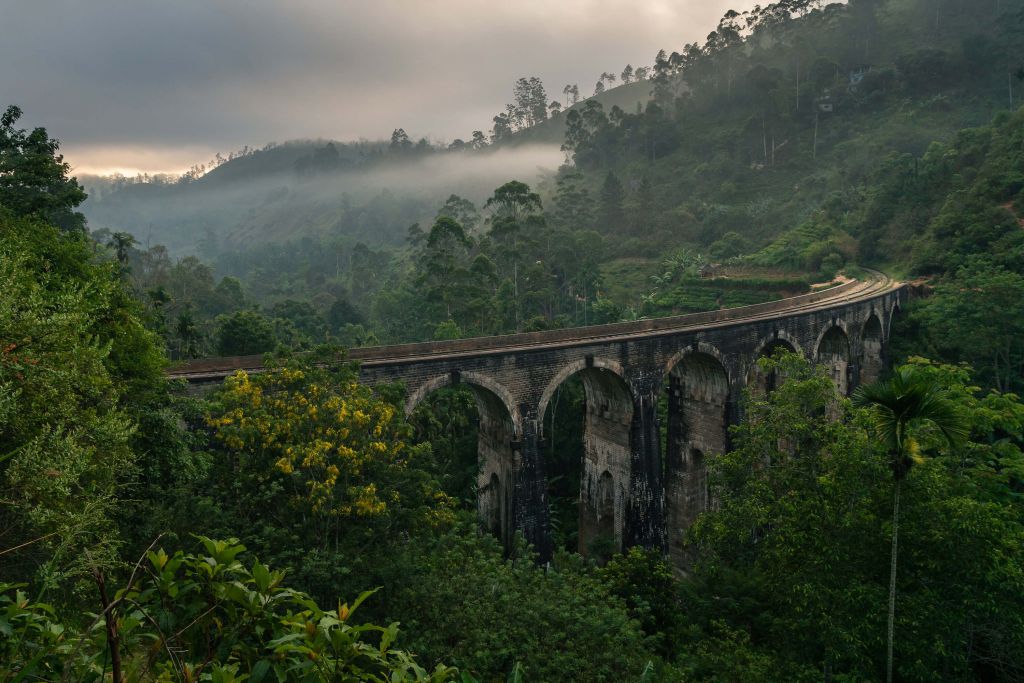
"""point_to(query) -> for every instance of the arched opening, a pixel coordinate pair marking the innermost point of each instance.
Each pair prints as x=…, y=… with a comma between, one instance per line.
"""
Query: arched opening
x=761, y=383
x=871, y=360
x=473, y=439
x=895, y=317
x=834, y=353
x=696, y=420
x=586, y=445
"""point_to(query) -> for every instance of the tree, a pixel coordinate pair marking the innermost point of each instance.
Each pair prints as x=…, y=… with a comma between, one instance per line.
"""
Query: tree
x=610, y=214
x=244, y=333
x=306, y=319
x=897, y=407
x=64, y=431
x=255, y=626
x=440, y=589
x=400, y=141
x=514, y=206
x=462, y=211
x=319, y=470
x=343, y=313
x=514, y=200
x=977, y=316
x=627, y=74
x=187, y=332
x=573, y=208
x=443, y=264
x=531, y=101
x=791, y=557
x=479, y=140
x=121, y=243
x=502, y=128
x=34, y=176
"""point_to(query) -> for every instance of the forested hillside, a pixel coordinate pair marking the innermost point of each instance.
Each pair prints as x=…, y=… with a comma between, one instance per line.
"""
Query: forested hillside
x=147, y=533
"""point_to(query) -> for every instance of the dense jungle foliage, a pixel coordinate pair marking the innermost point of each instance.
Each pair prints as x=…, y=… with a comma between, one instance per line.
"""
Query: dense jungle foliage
x=296, y=525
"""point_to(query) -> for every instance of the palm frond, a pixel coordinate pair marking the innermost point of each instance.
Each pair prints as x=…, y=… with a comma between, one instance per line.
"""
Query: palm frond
x=908, y=399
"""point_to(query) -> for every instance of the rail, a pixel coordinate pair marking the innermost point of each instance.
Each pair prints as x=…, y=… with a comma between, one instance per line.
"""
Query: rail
x=851, y=292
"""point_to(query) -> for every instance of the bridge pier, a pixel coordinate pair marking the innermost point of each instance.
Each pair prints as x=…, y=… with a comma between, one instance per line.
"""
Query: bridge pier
x=699, y=407
x=606, y=480
x=644, y=518
x=530, y=512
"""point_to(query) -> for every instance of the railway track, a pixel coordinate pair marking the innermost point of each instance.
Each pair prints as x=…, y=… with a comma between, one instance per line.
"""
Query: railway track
x=212, y=369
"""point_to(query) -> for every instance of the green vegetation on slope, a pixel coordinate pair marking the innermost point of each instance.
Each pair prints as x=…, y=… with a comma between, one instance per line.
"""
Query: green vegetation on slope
x=326, y=480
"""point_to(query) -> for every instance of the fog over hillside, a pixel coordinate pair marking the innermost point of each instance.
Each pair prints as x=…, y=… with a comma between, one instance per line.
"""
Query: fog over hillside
x=374, y=201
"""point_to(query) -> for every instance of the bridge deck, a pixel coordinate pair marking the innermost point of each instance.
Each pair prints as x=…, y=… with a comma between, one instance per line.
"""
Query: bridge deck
x=211, y=369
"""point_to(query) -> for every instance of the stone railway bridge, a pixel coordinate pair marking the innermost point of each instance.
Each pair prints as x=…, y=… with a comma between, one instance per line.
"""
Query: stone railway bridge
x=630, y=490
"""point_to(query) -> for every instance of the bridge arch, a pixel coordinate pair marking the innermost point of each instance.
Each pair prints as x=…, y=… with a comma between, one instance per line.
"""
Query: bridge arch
x=498, y=435
x=779, y=339
x=895, y=311
x=871, y=345
x=606, y=469
x=760, y=383
x=571, y=369
x=483, y=387
x=699, y=393
x=833, y=350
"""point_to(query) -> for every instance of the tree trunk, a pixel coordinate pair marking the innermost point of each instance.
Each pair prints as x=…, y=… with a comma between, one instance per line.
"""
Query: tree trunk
x=110, y=619
x=892, y=580
x=814, y=153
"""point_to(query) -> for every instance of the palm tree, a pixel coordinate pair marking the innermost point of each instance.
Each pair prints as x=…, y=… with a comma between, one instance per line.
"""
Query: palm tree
x=121, y=243
x=896, y=407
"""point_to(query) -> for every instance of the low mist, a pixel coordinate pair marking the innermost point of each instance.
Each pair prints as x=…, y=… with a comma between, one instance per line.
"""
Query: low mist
x=253, y=201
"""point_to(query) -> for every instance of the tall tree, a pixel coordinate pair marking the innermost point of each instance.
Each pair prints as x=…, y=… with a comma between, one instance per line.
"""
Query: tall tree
x=462, y=211
x=121, y=243
x=400, y=141
x=573, y=208
x=34, y=177
x=610, y=214
x=515, y=205
x=897, y=407
x=443, y=263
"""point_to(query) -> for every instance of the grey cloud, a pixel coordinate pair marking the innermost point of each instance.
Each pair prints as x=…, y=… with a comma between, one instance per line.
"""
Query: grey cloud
x=121, y=74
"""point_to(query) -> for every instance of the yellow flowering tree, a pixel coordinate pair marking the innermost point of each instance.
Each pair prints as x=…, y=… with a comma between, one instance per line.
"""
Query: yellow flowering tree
x=308, y=437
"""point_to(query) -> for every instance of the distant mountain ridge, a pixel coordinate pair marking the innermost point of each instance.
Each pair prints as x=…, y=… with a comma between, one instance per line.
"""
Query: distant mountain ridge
x=283, y=191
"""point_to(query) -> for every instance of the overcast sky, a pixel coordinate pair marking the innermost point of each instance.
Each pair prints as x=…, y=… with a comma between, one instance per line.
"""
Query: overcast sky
x=158, y=86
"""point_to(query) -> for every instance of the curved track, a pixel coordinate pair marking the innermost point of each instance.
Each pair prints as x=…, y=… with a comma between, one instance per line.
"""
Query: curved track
x=213, y=369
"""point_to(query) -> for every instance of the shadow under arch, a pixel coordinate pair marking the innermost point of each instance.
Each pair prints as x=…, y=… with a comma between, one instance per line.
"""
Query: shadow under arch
x=606, y=467
x=759, y=382
x=498, y=437
x=871, y=350
x=699, y=393
x=833, y=351
x=483, y=387
x=894, y=315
